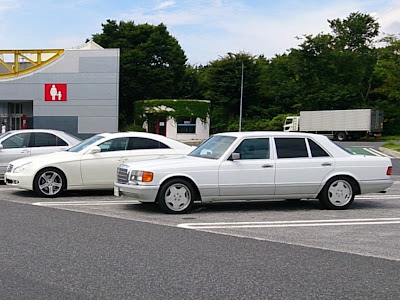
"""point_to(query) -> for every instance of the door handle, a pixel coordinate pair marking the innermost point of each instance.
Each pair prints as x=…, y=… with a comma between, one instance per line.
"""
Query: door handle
x=24, y=151
x=122, y=160
x=326, y=164
x=267, y=166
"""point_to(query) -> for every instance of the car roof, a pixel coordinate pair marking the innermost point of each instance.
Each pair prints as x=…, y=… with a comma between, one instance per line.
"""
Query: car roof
x=35, y=130
x=268, y=133
x=158, y=137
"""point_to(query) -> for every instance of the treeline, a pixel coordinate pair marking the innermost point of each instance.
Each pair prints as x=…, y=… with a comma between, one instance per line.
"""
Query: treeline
x=343, y=69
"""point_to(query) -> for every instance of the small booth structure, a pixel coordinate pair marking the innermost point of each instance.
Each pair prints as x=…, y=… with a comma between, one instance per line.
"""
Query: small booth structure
x=185, y=120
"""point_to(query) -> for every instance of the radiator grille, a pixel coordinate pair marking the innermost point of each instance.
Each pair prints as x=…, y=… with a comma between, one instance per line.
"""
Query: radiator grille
x=122, y=174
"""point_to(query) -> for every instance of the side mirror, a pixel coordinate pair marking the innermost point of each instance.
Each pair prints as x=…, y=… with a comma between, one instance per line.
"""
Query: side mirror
x=234, y=156
x=94, y=150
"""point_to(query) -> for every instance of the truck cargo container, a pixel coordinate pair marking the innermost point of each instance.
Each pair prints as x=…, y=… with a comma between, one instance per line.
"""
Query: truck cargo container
x=338, y=124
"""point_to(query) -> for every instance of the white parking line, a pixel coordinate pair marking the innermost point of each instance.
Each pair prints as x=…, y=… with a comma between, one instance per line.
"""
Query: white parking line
x=299, y=223
x=85, y=203
x=376, y=152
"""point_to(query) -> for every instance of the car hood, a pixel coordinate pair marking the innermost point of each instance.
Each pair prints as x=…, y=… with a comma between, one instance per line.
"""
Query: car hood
x=169, y=164
x=49, y=158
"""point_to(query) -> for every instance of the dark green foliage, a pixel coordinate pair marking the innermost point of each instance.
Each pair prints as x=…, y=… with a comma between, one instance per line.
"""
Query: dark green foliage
x=133, y=127
x=174, y=108
x=152, y=63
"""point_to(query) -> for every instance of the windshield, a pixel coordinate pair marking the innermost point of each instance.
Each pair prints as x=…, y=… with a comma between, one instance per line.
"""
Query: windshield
x=214, y=147
x=3, y=135
x=85, y=143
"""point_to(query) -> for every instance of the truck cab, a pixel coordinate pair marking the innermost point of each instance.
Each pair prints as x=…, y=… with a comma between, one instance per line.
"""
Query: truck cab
x=291, y=123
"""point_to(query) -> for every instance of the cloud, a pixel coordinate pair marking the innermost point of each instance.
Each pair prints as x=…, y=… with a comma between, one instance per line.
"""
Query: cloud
x=388, y=18
x=6, y=5
x=211, y=28
x=165, y=4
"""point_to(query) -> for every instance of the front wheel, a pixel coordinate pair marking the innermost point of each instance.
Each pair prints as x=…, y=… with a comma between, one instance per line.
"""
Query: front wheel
x=338, y=193
x=176, y=196
x=341, y=136
x=49, y=183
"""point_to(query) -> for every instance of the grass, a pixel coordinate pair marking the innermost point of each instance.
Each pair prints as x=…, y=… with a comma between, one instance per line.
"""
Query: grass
x=394, y=145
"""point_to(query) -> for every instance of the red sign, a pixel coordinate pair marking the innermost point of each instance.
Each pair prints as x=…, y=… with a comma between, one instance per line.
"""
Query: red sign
x=55, y=92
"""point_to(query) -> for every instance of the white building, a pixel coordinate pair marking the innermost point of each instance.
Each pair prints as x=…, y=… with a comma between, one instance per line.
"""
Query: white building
x=179, y=119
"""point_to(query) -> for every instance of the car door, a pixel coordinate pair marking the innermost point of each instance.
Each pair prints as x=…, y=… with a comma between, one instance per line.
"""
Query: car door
x=45, y=142
x=15, y=146
x=253, y=175
x=101, y=168
x=301, y=165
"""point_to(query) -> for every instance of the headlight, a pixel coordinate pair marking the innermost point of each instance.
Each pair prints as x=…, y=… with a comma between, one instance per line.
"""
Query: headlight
x=21, y=168
x=142, y=176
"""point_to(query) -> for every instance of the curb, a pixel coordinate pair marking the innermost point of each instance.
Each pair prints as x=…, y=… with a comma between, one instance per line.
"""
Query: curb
x=390, y=152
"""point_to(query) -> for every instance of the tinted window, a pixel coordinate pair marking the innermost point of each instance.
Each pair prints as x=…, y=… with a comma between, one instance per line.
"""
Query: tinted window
x=291, y=147
x=145, y=143
x=118, y=144
x=253, y=149
x=19, y=140
x=42, y=139
x=316, y=150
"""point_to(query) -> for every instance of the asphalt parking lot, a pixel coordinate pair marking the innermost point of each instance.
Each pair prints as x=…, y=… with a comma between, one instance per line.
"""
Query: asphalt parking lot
x=370, y=228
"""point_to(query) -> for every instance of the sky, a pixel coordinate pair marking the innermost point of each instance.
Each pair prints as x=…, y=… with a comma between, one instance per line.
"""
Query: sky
x=206, y=29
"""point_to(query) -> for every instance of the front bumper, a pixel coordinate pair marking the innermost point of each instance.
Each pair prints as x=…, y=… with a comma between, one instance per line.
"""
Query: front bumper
x=19, y=180
x=137, y=192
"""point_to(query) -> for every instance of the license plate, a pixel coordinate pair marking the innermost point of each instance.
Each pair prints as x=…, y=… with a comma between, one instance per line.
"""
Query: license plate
x=116, y=191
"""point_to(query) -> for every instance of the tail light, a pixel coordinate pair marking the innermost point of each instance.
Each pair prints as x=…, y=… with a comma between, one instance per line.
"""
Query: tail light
x=389, y=170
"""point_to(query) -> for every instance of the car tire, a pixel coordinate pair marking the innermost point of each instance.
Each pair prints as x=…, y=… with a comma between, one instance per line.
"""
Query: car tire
x=49, y=183
x=341, y=136
x=338, y=193
x=176, y=196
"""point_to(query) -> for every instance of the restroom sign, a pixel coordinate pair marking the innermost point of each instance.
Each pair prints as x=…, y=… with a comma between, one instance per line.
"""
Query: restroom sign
x=55, y=92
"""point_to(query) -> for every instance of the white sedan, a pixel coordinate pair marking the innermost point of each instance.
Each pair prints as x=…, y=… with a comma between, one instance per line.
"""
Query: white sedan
x=91, y=164
x=16, y=144
x=256, y=166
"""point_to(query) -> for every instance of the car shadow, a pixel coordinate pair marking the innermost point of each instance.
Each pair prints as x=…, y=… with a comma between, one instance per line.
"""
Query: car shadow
x=260, y=206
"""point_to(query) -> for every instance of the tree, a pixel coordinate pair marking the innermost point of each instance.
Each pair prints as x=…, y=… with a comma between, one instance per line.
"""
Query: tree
x=387, y=83
x=152, y=63
x=336, y=69
x=223, y=81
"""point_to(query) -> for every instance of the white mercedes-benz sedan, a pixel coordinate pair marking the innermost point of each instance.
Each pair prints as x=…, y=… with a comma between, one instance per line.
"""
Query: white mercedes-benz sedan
x=91, y=164
x=256, y=166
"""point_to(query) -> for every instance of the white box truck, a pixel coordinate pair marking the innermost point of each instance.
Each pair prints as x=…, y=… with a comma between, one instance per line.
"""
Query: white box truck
x=338, y=124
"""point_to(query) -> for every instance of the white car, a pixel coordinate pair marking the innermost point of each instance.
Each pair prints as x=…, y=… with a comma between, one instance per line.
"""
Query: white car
x=91, y=164
x=256, y=166
x=16, y=144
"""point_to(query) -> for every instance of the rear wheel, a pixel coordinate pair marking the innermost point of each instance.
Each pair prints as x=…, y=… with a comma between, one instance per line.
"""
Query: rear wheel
x=338, y=193
x=176, y=196
x=49, y=183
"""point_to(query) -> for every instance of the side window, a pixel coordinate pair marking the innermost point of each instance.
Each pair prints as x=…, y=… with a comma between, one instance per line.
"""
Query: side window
x=186, y=125
x=19, y=140
x=118, y=144
x=316, y=150
x=254, y=149
x=291, y=147
x=145, y=143
x=43, y=139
